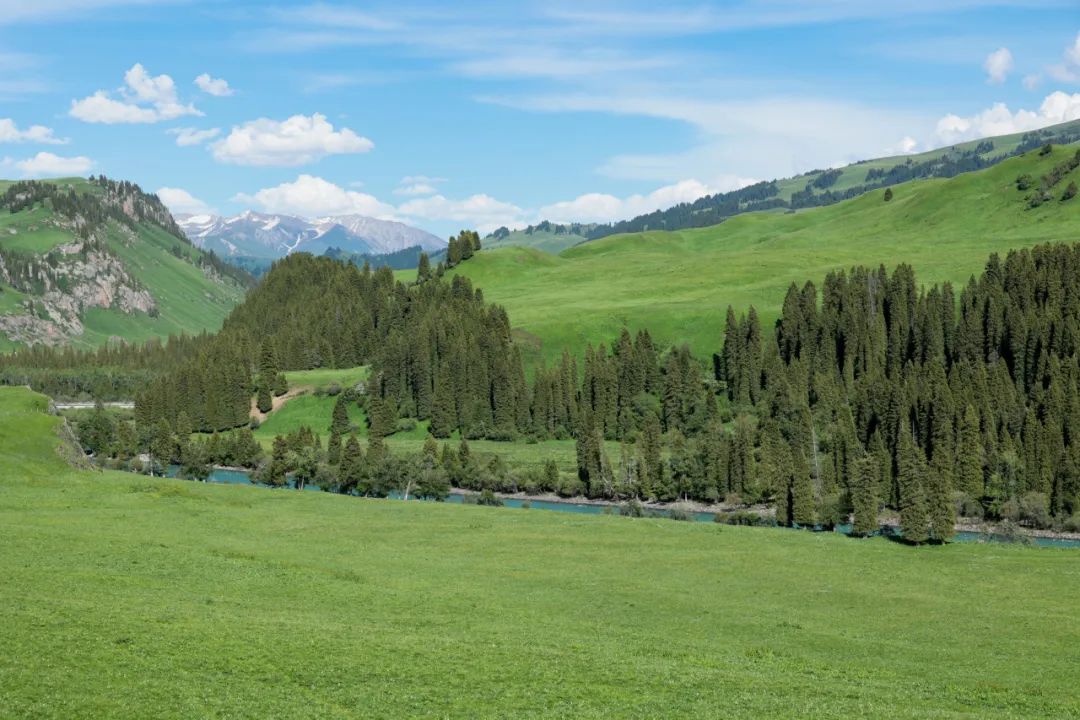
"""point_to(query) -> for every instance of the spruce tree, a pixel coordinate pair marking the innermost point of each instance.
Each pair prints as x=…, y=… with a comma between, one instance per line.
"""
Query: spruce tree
x=864, y=499
x=969, y=456
x=914, y=516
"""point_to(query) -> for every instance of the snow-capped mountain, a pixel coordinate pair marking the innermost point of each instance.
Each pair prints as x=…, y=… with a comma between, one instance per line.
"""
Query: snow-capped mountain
x=262, y=235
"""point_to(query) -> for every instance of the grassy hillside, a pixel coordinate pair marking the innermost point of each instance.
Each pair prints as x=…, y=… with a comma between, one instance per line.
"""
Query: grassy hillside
x=542, y=240
x=127, y=596
x=678, y=284
x=187, y=297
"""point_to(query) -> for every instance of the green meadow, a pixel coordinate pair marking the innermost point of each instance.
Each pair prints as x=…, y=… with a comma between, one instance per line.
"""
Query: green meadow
x=127, y=596
x=679, y=284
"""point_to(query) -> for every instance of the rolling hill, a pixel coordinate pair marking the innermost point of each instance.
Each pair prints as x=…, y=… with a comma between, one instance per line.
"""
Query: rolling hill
x=83, y=261
x=678, y=284
x=812, y=189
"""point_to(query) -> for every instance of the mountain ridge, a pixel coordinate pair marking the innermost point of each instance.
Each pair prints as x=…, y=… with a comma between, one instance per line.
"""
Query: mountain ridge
x=274, y=235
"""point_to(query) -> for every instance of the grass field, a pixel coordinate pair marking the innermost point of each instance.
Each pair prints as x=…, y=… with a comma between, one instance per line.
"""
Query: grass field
x=127, y=596
x=679, y=284
x=314, y=411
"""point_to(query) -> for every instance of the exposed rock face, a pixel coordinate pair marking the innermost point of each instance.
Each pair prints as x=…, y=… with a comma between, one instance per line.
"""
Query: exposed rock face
x=76, y=276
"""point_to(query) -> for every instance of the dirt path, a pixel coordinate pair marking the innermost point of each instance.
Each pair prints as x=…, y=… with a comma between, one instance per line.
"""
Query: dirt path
x=275, y=403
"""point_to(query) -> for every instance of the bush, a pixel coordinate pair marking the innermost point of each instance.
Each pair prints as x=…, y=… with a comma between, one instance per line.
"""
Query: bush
x=743, y=517
x=333, y=389
x=681, y=514
x=1070, y=191
x=1024, y=182
x=406, y=424
x=1035, y=510
x=1046, y=150
x=489, y=499
x=570, y=486
x=632, y=508
x=1072, y=524
x=888, y=194
x=967, y=506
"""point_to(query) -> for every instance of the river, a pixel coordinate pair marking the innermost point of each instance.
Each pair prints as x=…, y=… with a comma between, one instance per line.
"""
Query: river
x=240, y=477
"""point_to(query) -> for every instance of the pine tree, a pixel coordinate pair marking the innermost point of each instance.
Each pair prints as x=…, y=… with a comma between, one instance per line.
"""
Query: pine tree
x=339, y=421
x=651, y=462
x=864, y=496
x=914, y=516
x=351, y=467
x=969, y=456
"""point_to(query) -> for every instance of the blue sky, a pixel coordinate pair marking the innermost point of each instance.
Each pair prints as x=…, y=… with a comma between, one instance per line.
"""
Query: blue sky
x=452, y=115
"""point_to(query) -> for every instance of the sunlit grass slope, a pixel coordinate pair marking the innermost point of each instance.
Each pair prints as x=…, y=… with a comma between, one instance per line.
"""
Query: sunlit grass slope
x=188, y=300
x=679, y=284
x=126, y=596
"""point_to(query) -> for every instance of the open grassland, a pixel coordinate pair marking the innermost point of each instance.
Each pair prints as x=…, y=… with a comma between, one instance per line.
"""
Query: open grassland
x=678, y=284
x=127, y=596
x=314, y=411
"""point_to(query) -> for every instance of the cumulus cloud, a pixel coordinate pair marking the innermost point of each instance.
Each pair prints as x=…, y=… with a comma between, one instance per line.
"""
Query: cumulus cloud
x=46, y=164
x=601, y=207
x=218, y=87
x=1057, y=107
x=186, y=136
x=144, y=98
x=906, y=146
x=1069, y=69
x=298, y=140
x=10, y=133
x=480, y=211
x=179, y=200
x=413, y=185
x=998, y=65
x=311, y=196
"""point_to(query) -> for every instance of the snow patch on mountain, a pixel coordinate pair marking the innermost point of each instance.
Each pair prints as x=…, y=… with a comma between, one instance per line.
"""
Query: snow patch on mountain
x=271, y=236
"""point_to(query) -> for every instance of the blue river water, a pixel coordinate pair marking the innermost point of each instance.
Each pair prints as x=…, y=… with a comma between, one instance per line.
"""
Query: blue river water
x=239, y=477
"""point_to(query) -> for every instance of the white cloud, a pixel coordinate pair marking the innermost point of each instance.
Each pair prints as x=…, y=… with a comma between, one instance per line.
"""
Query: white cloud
x=311, y=196
x=480, y=211
x=143, y=99
x=300, y=139
x=413, y=185
x=1068, y=70
x=1057, y=107
x=45, y=164
x=1031, y=81
x=186, y=136
x=998, y=65
x=601, y=207
x=10, y=133
x=906, y=146
x=179, y=200
x=218, y=87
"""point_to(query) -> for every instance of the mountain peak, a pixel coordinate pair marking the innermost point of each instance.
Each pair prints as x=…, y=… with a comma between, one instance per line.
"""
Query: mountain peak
x=263, y=235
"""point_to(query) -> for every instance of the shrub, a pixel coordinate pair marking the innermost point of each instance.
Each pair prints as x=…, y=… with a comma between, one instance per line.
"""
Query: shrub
x=967, y=506
x=525, y=504
x=1070, y=191
x=1035, y=510
x=1024, y=182
x=680, y=513
x=406, y=424
x=333, y=389
x=1072, y=524
x=632, y=508
x=570, y=486
x=743, y=517
x=1046, y=149
x=888, y=194
x=488, y=498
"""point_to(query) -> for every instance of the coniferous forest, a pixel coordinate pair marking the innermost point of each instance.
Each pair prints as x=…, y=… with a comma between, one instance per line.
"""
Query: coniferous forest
x=870, y=393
